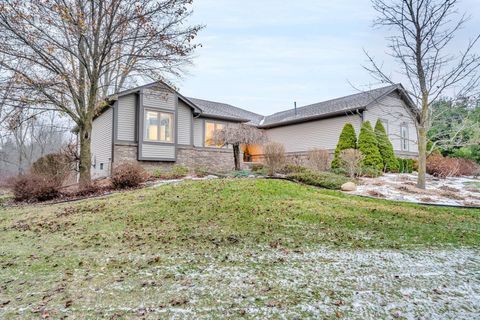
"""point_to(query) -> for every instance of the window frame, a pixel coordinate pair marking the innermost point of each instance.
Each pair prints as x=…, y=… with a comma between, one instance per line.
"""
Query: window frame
x=159, y=117
x=215, y=123
x=404, y=140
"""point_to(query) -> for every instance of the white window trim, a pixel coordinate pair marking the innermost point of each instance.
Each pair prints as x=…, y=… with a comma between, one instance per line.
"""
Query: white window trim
x=406, y=139
x=172, y=126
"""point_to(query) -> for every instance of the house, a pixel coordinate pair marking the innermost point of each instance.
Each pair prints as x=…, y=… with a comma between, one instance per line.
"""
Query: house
x=157, y=126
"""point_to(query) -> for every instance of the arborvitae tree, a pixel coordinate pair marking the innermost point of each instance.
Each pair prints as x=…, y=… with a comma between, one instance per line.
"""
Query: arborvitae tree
x=347, y=140
x=385, y=147
x=367, y=143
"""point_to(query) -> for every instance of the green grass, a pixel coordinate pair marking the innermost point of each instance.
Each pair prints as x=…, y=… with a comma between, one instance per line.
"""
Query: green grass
x=65, y=258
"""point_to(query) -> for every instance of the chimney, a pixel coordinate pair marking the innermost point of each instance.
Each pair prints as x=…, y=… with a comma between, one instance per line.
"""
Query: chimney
x=295, y=107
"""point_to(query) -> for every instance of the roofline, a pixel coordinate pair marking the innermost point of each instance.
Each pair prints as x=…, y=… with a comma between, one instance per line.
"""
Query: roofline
x=218, y=102
x=214, y=116
x=111, y=98
x=403, y=94
x=145, y=86
x=312, y=118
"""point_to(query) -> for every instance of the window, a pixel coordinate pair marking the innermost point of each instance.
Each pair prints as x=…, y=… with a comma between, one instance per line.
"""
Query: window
x=404, y=137
x=101, y=166
x=158, y=126
x=210, y=129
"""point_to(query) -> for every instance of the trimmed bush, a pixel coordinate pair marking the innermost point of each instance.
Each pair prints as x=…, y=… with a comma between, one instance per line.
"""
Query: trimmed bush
x=291, y=168
x=35, y=188
x=327, y=180
x=386, y=148
x=347, y=140
x=56, y=166
x=367, y=143
x=127, y=175
x=274, y=154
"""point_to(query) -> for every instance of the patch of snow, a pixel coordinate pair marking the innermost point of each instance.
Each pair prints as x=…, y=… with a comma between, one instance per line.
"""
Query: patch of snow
x=452, y=191
x=317, y=283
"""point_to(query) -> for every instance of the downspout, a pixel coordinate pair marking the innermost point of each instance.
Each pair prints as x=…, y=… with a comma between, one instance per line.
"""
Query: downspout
x=360, y=113
x=113, y=137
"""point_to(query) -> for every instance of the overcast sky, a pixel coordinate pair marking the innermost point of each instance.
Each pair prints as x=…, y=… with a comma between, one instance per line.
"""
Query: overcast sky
x=264, y=55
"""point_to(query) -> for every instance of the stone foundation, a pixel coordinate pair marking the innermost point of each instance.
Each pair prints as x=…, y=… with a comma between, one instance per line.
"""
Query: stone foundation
x=215, y=160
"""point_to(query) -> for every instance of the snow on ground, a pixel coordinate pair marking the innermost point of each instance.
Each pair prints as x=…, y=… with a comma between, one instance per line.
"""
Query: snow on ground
x=458, y=191
x=322, y=282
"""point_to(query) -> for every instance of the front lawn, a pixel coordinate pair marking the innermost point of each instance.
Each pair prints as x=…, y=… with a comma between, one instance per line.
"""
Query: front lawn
x=177, y=250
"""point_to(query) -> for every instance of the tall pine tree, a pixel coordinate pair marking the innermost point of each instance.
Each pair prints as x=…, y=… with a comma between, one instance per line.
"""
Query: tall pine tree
x=385, y=147
x=347, y=140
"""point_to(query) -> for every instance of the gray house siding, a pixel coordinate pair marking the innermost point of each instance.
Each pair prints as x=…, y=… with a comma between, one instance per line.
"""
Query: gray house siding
x=184, y=124
x=126, y=118
x=321, y=134
x=394, y=113
x=160, y=98
x=101, y=147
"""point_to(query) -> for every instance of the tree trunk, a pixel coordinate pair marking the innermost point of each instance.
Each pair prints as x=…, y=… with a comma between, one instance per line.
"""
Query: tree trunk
x=85, y=162
x=422, y=157
x=236, y=156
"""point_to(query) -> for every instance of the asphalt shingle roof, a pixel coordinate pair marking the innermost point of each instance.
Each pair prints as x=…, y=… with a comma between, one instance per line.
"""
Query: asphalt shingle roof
x=343, y=104
x=339, y=105
x=219, y=109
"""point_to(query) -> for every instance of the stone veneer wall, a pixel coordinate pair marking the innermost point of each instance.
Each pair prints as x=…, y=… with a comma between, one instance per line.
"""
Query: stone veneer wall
x=191, y=157
x=301, y=158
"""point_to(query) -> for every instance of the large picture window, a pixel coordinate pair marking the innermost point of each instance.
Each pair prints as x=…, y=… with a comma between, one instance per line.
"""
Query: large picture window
x=404, y=137
x=210, y=129
x=158, y=126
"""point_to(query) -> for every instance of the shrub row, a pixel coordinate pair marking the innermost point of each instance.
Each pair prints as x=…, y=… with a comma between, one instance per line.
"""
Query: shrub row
x=442, y=167
x=376, y=150
x=326, y=180
x=405, y=165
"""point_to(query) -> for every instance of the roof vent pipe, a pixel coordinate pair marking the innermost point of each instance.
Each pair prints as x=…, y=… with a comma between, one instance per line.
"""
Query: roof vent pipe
x=295, y=107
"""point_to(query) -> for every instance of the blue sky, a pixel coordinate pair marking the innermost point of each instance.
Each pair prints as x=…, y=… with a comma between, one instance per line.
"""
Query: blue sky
x=263, y=55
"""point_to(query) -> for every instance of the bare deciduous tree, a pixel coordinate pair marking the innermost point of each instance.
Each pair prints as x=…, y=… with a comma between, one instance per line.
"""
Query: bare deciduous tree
x=69, y=54
x=238, y=134
x=421, y=40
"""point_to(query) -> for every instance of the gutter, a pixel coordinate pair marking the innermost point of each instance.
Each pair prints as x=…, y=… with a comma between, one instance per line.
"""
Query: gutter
x=214, y=116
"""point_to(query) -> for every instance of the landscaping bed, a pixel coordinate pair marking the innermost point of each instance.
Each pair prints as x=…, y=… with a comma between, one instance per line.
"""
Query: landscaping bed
x=456, y=191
